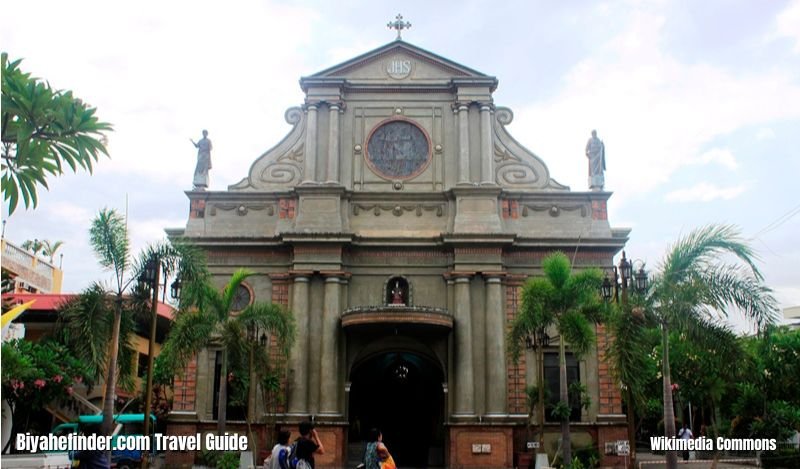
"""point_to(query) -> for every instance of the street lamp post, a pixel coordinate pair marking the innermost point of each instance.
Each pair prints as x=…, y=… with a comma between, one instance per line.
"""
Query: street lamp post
x=624, y=277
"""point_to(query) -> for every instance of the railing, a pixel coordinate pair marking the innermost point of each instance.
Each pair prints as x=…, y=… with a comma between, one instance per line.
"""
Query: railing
x=36, y=272
x=75, y=405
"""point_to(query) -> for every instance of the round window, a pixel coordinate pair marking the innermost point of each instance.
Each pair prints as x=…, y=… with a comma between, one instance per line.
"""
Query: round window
x=242, y=298
x=398, y=149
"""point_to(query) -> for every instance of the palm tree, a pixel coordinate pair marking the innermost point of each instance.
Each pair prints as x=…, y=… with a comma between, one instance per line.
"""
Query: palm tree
x=85, y=326
x=49, y=249
x=33, y=246
x=628, y=356
x=205, y=319
x=108, y=236
x=109, y=239
x=569, y=302
x=704, y=273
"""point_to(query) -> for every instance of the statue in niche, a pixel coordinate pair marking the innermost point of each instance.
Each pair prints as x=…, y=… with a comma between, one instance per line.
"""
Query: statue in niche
x=397, y=294
x=203, y=162
x=596, y=153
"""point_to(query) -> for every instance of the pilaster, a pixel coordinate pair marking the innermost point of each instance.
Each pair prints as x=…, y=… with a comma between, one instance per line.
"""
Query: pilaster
x=496, y=400
x=329, y=389
x=463, y=143
x=310, y=163
x=487, y=173
x=477, y=210
x=464, y=388
x=298, y=357
x=333, y=143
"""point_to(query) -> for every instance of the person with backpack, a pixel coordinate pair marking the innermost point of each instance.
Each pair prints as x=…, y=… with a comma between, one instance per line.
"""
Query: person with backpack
x=304, y=448
x=279, y=458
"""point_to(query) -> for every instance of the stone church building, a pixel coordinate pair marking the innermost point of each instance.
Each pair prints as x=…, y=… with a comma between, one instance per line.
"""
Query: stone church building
x=398, y=220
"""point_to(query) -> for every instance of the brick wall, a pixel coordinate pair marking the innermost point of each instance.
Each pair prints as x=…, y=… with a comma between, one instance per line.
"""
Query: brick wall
x=516, y=371
x=610, y=394
x=500, y=447
x=184, y=390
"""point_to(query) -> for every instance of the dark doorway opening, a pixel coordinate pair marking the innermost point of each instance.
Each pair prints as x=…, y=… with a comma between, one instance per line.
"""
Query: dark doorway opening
x=401, y=394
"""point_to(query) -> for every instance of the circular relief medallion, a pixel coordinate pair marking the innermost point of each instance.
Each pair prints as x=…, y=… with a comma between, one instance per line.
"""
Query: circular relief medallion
x=398, y=149
x=398, y=68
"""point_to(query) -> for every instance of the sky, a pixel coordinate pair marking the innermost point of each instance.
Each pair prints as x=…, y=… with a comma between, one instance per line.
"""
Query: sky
x=698, y=103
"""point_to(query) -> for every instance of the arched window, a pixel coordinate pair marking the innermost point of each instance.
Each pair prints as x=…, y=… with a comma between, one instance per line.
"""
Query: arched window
x=397, y=292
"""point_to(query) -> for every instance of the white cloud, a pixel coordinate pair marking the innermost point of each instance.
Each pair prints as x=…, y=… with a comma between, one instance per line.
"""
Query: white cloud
x=765, y=133
x=722, y=157
x=705, y=192
x=787, y=25
x=655, y=112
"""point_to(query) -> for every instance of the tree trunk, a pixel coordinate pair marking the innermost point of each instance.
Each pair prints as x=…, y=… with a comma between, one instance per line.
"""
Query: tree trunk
x=631, y=424
x=669, y=412
x=222, y=402
x=111, y=372
x=566, y=448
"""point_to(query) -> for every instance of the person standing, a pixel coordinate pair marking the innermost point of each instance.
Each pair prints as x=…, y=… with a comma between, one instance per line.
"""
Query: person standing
x=685, y=434
x=377, y=456
x=203, y=162
x=308, y=444
x=278, y=458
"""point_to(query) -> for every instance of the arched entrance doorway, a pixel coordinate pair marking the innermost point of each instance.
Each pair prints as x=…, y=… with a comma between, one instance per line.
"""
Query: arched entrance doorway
x=400, y=393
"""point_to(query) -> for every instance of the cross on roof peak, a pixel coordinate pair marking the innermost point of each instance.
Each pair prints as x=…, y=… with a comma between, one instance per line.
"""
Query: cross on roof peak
x=399, y=25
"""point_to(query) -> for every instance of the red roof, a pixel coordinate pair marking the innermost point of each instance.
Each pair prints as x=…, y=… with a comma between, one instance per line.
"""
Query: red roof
x=52, y=301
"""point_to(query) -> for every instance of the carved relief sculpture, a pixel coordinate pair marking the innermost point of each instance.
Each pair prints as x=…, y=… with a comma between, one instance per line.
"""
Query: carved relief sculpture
x=398, y=149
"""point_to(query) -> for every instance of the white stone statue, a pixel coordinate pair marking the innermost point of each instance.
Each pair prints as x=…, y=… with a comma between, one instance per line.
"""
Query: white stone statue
x=596, y=153
x=203, y=161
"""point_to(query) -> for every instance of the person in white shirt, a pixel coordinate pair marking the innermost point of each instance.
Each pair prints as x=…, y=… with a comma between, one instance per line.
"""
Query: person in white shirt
x=685, y=433
x=280, y=452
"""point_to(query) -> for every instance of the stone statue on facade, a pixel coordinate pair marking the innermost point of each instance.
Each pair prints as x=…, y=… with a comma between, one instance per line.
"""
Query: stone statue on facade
x=203, y=162
x=397, y=294
x=596, y=153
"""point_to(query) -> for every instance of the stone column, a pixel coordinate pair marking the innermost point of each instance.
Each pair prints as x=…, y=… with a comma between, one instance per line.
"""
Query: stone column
x=464, y=389
x=496, y=379
x=333, y=145
x=487, y=176
x=315, y=326
x=298, y=358
x=329, y=390
x=463, y=143
x=310, y=170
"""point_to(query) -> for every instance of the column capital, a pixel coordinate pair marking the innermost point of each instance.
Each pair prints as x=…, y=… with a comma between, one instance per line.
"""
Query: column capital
x=497, y=275
x=459, y=276
x=486, y=107
x=460, y=106
x=335, y=275
x=301, y=275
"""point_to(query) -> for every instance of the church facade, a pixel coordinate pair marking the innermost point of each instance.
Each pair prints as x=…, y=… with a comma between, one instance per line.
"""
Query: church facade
x=398, y=220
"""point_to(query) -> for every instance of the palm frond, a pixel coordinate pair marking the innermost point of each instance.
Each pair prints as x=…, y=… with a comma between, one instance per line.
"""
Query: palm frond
x=556, y=268
x=84, y=326
x=233, y=284
x=109, y=239
x=190, y=332
x=273, y=319
x=577, y=331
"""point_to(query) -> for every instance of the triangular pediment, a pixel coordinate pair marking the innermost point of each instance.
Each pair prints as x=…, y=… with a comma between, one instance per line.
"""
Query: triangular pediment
x=398, y=60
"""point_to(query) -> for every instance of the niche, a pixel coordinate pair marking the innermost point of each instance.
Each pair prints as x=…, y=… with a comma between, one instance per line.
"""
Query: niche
x=397, y=292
